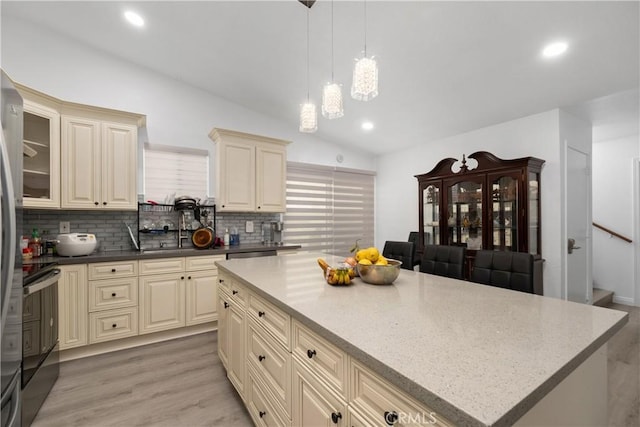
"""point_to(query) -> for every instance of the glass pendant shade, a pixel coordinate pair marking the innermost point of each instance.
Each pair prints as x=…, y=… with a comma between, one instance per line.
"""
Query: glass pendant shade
x=332, y=101
x=308, y=118
x=365, y=79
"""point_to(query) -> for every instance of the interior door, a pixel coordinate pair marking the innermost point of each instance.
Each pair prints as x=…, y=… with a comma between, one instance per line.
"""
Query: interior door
x=578, y=245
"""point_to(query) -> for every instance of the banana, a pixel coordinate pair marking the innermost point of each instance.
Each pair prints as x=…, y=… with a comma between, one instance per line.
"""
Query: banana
x=323, y=264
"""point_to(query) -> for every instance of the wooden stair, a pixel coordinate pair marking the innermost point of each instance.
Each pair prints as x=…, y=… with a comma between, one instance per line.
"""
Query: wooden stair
x=601, y=297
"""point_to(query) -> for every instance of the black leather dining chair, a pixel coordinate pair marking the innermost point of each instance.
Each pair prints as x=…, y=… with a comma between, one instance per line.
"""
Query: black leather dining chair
x=444, y=260
x=413, y=238
x=510, y=270
x=402, y=251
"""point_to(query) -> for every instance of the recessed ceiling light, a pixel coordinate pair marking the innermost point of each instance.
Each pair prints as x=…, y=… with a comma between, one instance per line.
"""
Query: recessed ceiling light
x=367, y=125
x=554, y=49
x=134, y=18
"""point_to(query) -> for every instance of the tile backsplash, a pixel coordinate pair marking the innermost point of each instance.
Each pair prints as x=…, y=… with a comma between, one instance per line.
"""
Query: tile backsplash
x=111, y=232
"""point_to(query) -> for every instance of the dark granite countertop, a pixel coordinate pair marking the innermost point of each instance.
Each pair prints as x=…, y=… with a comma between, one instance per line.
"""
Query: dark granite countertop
x=159, y=253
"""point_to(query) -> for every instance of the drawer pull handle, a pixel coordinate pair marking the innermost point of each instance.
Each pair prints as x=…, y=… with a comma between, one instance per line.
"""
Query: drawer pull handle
x=113, y=294
x=262, y=414
x=261, y=314
x=234, y=292
x=226, y=305
x=104, y=203
x=113, y=270
x=95, y=203
x=335, y=417
x=261, y=358
x=114, y=325
x=311, y=353
x=390, y=417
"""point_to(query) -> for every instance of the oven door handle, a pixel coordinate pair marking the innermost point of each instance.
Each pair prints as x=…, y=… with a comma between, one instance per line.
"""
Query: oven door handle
x=45, y=282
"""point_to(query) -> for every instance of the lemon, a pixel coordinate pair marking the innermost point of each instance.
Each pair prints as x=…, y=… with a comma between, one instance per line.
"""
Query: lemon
x=381, y=261
x=365, y=261
x=362, y=253
x=372, y=254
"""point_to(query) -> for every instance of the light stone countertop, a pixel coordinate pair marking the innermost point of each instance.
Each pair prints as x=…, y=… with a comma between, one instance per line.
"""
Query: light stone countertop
x=477, y=355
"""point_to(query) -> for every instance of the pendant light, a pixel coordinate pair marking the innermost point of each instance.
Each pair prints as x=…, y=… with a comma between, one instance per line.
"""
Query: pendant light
x=365, y=72
x=308, y=111
x=332, y=92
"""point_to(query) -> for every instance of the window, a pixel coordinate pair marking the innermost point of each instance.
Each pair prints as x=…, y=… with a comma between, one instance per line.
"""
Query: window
x=328, y=208
x=175, y=171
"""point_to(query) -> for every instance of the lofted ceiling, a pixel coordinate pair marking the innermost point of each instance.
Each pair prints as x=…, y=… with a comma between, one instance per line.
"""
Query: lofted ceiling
x=445, y=67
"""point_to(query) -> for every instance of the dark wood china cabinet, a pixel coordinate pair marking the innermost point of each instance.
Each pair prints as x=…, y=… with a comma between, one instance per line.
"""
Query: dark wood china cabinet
x=494, y=205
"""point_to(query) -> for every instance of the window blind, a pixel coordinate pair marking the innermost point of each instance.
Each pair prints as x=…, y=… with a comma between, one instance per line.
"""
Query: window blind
x=328, y=208
x=177, y=171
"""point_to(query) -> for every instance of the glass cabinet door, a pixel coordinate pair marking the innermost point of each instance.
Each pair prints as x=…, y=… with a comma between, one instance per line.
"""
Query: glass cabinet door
x=504, y=212
x=41, y=156
x=534, y=213
x=431, y=214
x=464, y=214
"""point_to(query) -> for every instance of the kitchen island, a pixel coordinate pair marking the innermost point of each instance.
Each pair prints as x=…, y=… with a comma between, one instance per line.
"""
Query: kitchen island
x=469, y=354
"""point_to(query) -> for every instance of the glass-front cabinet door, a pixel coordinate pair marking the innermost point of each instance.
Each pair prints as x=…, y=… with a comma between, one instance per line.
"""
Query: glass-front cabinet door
x=505, y=211
x=533, y=213
x=431, y=213
x=464, y=213
x=41, y=156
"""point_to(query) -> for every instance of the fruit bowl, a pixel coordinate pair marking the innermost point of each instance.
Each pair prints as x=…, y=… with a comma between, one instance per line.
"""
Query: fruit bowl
x=380, y=274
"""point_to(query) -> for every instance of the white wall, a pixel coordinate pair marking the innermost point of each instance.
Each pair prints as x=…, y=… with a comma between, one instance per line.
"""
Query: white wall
x=537, y=136
x=613, y=259
x=177, y=114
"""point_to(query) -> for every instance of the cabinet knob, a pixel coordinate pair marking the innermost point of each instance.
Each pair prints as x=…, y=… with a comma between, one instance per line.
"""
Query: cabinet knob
x=262, y=414
x=113, y=294
x=113, y=270
x=261, y=314
x=226, y=305
x=223, y=206
x=182, y=278
x=258, y=207
x=390, y=417
x=220, y=281
x=261, y=358
x=96, y=203
x=189, y=277
x=311, y=353
x=234, y=292
x=335, y=417
x=114, y=325
x=104, y=203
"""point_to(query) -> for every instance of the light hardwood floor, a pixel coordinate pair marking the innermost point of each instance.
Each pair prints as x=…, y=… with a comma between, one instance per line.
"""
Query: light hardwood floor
x=182, y=383
x=175, y=383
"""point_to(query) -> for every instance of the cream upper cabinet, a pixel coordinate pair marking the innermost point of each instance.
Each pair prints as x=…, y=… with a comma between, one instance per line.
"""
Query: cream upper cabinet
x=251, y=172
x=41, y=156
x=99, y=164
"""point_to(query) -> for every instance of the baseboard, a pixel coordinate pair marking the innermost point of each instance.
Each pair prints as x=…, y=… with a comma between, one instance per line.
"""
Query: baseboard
x=624, y=300
x=137, y=341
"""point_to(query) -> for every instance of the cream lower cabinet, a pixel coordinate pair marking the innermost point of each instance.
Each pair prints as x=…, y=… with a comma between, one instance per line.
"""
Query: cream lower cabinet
x=113, y=301
x=291, y=376
x=202, y=289
x=313, y=403
x=72, y=306
x=161, y=302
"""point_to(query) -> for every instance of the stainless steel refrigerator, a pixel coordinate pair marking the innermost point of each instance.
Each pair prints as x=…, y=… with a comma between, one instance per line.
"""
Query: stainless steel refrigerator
x=10, y=252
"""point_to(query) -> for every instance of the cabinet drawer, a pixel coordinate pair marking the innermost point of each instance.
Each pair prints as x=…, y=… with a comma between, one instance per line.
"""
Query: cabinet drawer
x=271, y=361
x=315, y=404
x=238, y=292
x=113, y=324
x=111, y=270
x=208, y=262
x=260, y=404
x=321, y=357
x=224, y=281
x=110, y=294
x=271, y=318
x=373, y=397
x=161, y=266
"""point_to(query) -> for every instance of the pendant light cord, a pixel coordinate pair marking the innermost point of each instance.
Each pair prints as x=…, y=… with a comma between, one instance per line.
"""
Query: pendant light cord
x=307, y=54
x=365, y=28
x=332, y=41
